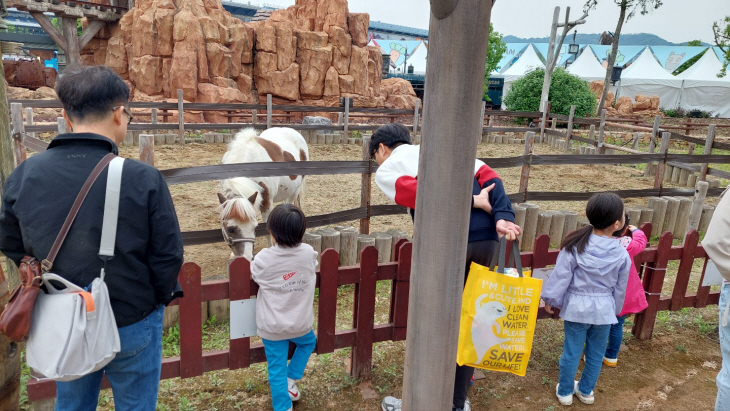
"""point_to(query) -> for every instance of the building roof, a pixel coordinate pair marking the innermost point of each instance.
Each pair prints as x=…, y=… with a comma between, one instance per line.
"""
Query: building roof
x=397, y=29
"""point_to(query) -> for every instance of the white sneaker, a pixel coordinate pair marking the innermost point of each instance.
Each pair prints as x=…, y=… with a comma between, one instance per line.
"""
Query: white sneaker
x=294, y=393
x=585, y=399
x=563, y=399
x=467, y=405
x=391, y=404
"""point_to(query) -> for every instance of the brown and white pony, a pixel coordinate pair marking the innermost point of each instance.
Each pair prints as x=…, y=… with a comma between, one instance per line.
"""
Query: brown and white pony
x=243, y=199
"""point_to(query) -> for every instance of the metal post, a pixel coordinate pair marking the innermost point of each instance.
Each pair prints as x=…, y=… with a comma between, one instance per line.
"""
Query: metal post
x=457, y=49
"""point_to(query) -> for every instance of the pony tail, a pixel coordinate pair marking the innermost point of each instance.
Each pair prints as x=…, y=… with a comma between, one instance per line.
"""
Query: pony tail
x=578, y=238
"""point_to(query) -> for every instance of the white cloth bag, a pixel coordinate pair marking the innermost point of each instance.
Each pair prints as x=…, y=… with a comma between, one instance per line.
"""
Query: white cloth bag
x=73, y=332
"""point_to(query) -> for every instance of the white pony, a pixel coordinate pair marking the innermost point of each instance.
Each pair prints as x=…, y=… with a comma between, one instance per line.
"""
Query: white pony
x=243, y=199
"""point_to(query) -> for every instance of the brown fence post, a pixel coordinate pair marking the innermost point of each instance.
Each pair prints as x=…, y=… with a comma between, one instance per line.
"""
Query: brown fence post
x=709, y=141
x=653, y=282
x=254, y=116
x=652, y=143
x=147, y=149
x=399, y=295
x=268, y=111
x=180, y=118
x=525, y=174
x=239, y=288
x=16, y=114
x=366, y=186
x=191, y=333
x=601, y=131
x=684, y=270
x=570, y=129
x=688, y=127
x=659, y=178
x=327, y=310
x=362, y=354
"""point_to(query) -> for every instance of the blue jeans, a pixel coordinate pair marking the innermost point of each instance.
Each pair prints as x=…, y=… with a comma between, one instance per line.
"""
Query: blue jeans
x=134, y=373
x=615, y=336
x=276, y=355
x=594, y=337
x=723, y=378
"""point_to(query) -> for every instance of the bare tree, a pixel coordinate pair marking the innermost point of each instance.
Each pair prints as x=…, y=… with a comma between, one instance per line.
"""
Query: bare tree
x=629, y=8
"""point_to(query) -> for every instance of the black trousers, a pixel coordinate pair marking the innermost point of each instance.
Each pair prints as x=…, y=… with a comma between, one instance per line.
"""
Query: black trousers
x=483, y=253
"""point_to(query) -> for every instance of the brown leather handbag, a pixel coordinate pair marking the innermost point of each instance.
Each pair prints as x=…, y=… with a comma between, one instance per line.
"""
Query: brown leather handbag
x=15, y=319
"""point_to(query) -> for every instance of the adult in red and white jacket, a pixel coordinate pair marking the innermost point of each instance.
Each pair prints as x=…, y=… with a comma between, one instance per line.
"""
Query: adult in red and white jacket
x=491, y=216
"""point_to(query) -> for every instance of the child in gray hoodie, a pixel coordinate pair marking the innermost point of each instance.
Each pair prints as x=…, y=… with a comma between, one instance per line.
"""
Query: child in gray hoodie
x=588, y=285
x=286, y=278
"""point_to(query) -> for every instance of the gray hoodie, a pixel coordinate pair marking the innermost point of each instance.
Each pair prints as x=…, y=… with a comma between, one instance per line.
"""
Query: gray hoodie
x=590, y=287
x=286, y=280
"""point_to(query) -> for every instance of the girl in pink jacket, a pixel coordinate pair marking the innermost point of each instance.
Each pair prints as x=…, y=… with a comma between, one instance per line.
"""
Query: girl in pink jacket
x=635, y=242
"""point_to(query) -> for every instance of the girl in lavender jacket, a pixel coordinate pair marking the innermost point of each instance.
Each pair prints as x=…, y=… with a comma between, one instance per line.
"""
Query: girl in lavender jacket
x=588, y=285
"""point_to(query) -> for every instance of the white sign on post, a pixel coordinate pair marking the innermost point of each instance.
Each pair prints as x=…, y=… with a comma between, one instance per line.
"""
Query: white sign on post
x=243, y=318
x=712, y=275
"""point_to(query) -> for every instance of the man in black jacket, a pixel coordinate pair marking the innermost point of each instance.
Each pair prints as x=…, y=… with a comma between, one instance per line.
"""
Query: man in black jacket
x=148, y=254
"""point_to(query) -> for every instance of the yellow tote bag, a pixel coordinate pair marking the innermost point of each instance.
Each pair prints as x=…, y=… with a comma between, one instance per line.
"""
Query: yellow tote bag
x=498, y=315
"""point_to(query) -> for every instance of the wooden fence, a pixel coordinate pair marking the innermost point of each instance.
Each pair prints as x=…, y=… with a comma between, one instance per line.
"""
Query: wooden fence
x=193, y=361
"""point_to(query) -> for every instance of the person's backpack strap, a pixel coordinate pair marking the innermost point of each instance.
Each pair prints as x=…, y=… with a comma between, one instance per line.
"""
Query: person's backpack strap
x=47, y=264
x=111, y=211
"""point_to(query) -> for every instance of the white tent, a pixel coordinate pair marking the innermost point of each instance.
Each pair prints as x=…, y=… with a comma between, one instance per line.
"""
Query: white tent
x=527, y=62
x=703, y=90
x=587, y=67
x=646, y=76
x=417, y=58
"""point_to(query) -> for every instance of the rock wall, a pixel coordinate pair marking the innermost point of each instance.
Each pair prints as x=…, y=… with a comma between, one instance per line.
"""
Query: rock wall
x=311, y=53
x=643, y=107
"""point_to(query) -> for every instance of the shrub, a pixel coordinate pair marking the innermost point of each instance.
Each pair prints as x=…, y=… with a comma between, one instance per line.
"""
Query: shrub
x=565, y=90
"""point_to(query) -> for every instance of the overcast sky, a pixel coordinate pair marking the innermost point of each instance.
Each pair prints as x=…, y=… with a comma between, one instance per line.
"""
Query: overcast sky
x=676, y=21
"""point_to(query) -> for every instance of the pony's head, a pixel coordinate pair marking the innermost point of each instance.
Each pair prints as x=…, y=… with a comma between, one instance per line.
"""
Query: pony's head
x=239, y=220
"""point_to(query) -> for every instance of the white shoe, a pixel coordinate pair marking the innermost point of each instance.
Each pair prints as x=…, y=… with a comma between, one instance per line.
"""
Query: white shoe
x=563, y=399
x=467, y=405
x=391, y=404
x=294, y=393
x=585, y=399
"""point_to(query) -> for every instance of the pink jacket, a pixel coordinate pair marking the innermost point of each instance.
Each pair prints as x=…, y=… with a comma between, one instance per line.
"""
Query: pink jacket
x=635, y=296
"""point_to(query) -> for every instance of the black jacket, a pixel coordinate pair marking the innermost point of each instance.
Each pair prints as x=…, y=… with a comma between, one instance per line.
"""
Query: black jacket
x=148, y=253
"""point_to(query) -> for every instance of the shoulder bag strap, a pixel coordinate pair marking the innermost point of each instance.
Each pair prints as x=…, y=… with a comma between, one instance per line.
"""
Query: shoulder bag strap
x=47, y=264
x=111, y=211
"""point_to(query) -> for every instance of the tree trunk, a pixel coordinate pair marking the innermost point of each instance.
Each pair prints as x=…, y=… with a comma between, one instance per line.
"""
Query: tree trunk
x=612, y=57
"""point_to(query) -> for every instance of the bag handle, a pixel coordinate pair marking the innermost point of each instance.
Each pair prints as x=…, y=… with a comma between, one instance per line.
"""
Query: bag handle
x=47, y=264
x=502, y=253
x=111, y=212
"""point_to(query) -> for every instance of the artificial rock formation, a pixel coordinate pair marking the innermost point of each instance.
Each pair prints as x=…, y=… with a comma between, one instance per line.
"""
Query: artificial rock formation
x=644, y=106
x=312, y=53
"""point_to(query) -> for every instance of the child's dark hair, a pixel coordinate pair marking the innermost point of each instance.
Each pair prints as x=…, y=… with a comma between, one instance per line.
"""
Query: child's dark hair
x=287, y=225
x=602, y=210
x=391, y=135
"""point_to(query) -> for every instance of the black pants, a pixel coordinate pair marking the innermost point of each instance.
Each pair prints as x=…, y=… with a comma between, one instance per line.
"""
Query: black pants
x=483, y=253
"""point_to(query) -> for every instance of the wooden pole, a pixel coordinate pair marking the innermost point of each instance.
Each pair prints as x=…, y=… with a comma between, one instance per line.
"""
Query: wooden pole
x=9, y=398
x=416, y=119
x=481, y=123
x=525, y=175
x=543, y=123
x=695, y=213
x=652, y=143
x=347, y=116
x=709, y=141
x=29, y=119
x=489, y=124
x=659, y=178
x=147, y=149
x=570, y=129
x=254, y=116
x=154, y=116
x=71, y=35
x=365, y=186
x=16, y=113
x=268, y=111
x=601, y=130
x=549, y=63
x=458, y=35
x=180, y=118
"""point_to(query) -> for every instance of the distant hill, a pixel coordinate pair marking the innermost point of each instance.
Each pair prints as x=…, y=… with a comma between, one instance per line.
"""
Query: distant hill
x=640, y=39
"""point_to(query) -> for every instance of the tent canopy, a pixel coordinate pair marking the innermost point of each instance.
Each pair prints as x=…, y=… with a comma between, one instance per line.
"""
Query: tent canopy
x=647, y=77
x=703, y=90
x=587, y=67
x=526, y=63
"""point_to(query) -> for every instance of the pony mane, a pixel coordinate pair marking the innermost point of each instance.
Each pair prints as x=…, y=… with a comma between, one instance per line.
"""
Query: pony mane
x=238, y=207
x=239, y=149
